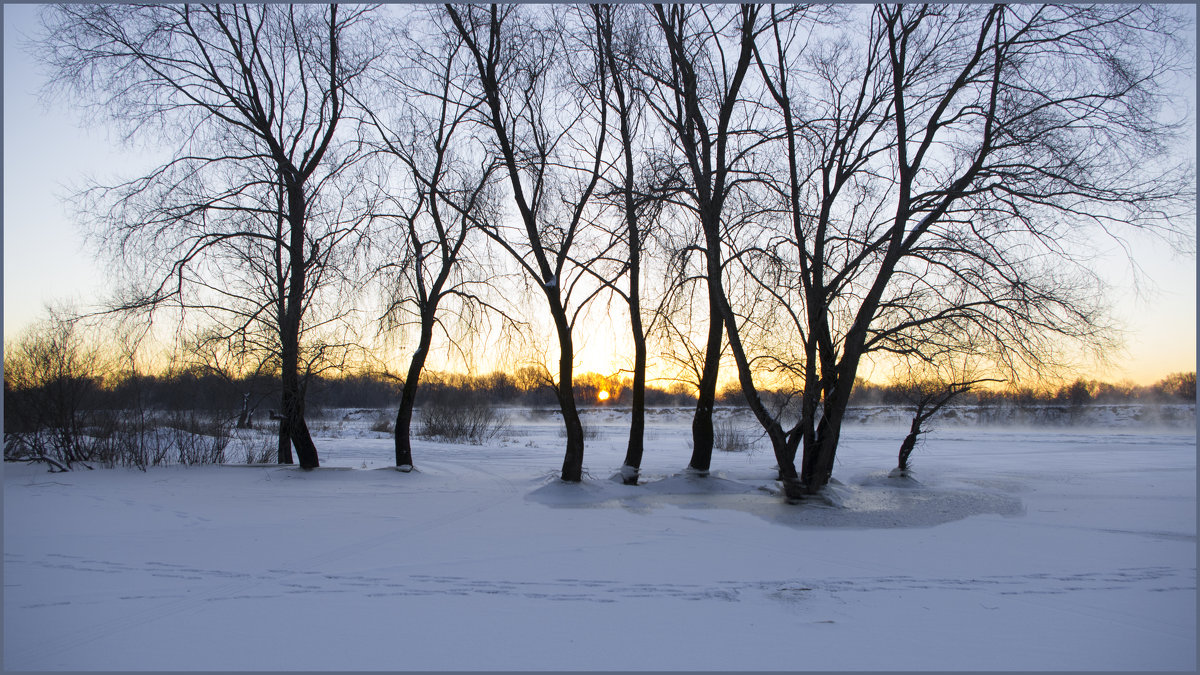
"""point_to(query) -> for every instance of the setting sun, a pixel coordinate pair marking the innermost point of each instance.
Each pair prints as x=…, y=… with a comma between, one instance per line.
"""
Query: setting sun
x=603, y=395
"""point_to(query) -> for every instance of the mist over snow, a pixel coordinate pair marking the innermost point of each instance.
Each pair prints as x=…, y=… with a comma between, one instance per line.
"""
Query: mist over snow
x=1044, y=546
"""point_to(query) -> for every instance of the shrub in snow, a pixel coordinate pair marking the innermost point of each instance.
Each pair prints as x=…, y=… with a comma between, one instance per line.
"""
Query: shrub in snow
x=473, y=422
x=198, y=440
x=589, y=432
x=256, y=448
x=129, y=438
x=729, y=438
x=382, y=424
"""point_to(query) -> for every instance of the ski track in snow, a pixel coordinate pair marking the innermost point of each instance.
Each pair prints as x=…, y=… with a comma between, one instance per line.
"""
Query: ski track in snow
x=236, y=586
x=230, y=584
x=275, y=583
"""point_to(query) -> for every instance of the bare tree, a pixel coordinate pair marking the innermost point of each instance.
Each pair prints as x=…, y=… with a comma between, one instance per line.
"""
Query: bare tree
x=622, y=35
x=940, y=180
x=444, y=201
x=551, y=142
x=51, y=374
x=932, y=381
x=251, y=97
x=709, y=51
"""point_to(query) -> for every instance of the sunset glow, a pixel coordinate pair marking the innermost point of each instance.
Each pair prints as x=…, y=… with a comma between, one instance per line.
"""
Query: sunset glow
x=603, y=395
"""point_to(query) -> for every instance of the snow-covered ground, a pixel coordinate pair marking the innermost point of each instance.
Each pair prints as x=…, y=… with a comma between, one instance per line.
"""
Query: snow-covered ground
x=1037, y=548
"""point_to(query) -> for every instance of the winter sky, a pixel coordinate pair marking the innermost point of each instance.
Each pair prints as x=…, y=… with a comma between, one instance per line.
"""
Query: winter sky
x=47, y=152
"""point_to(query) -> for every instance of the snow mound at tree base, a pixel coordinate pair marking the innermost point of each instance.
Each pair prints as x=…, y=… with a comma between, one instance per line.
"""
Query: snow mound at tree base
x=874, y=500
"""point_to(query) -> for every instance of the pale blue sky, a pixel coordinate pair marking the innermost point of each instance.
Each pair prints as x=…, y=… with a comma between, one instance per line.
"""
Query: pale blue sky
x=46, y=152
x=42, y=149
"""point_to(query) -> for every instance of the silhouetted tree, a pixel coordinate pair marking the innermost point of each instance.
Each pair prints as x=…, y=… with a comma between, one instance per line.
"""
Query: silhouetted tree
x=929, y=387
x=442, y=198
x=708, y=50
x=938, y=161
x=550, y=140
x=52, y=373
x=250, y=100
x=637, y=195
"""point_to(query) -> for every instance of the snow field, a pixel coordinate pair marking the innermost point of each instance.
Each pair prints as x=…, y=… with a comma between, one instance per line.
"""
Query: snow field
x=1013, y=549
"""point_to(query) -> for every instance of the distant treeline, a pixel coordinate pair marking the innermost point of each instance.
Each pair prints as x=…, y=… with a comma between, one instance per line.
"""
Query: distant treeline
x=1174, y=388
x=260, y=394
x=191, y=390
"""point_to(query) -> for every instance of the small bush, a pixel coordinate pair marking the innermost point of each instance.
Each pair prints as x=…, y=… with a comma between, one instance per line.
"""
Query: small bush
x=729, y=438
x=126, y=438
x=130, y=438
x=265, y=452
x=198, y=440
x=251, y=447
x=383, y=424
x=472, y=422
x=589, y=432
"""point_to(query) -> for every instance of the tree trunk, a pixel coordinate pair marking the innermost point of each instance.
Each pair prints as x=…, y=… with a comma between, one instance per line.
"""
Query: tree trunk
x=408, y=396
x=793, y=487
x=637, y=423
x=782, y=444
x=243, y=421
x=289, y=334
x=285, y=441
x=818, y=458
x=906, y=448
x=702, y=421
x=403, y=432
x=922, y=413
x=572, y=469
x=293, y=421
x=306, y=450
x=702, y=425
